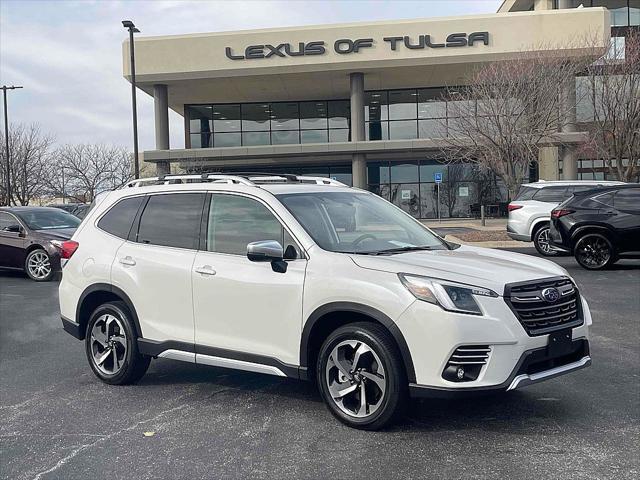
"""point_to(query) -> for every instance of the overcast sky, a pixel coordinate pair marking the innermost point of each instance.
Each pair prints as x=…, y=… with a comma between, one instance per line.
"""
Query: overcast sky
x=67, y=54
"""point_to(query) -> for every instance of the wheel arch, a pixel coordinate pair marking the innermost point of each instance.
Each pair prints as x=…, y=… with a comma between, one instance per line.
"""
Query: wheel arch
x=330, y=316
x=537, y=224
x=582, y=230
x=95, y=295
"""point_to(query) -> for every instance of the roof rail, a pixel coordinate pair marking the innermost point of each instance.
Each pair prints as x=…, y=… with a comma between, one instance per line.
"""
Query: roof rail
x=241, y=178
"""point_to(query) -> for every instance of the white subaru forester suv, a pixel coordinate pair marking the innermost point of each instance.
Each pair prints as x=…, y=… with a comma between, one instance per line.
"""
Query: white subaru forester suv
x=310, y=279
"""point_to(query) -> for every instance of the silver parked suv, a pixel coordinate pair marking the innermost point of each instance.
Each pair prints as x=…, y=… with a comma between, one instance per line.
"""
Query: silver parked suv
x=530, y=211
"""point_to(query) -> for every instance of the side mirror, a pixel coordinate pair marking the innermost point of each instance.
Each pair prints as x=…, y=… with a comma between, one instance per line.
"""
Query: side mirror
x=268, y=251
x=13, y=228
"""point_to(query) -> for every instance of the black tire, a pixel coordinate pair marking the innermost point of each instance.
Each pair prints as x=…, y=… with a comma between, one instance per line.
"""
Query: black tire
x=133, y=364
x=594, y=251
x=35, y=274
x=541, y=241
x=392, y=402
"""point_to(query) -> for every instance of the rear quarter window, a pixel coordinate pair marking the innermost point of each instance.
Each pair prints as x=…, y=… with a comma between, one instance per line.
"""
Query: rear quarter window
x=526, y=193
x=551, y=194
x=118, y=220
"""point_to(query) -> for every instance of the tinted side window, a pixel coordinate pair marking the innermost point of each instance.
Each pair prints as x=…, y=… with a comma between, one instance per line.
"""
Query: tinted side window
x=599, y=200
x=6, y=220
x=526, y=193
x=117, y=221
x=551, y=194
x=235, y=221
x=628, y=199
x=172, y=220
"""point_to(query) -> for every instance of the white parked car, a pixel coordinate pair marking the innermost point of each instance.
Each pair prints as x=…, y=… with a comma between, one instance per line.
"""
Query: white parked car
x=530, y=212
x=268, y=274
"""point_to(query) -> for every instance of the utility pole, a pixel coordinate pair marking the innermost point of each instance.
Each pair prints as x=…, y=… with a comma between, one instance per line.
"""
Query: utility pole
x=128, y=24
x=6, y=141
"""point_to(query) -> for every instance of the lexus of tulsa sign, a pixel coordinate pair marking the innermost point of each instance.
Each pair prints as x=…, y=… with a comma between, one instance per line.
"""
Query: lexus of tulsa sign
x=346, y=45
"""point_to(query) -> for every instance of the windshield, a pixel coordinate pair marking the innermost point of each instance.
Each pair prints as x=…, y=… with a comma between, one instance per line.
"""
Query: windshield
x=48, y=219
x=351, y=222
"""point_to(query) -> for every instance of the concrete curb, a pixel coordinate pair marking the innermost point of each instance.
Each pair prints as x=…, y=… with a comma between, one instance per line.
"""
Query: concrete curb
x=492, y=244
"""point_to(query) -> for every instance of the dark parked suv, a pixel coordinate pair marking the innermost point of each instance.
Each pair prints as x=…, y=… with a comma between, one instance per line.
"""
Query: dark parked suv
x=31, y=239
x=599, y=226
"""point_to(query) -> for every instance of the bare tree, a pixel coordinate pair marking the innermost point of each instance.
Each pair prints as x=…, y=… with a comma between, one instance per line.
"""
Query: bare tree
x=611, y=95
x=29, y=150
x=507, y=112
x=449, y=189
x=81, y=171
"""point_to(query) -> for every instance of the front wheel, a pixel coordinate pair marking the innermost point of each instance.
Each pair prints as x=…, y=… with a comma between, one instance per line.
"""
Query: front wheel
x=37, y=265
x=112, y=347
x=542, y=242
x=594, y=251
x=361, y=376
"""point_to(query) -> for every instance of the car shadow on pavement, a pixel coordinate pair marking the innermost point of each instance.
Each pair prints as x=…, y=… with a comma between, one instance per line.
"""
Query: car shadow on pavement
x=493, y=412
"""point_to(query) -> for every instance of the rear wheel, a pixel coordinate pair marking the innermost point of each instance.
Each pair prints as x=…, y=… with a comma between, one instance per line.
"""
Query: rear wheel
x=37, y=265
x=361, y=376
x=112, y=347
x=594, y=251
x=542, y=241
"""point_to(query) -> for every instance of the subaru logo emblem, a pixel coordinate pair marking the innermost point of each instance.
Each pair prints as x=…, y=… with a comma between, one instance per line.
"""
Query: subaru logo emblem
x=551, y=295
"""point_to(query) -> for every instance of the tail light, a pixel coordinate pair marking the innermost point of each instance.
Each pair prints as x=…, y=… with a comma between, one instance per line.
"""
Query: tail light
x=513, y=206
x=560, y=212
x=68, y=248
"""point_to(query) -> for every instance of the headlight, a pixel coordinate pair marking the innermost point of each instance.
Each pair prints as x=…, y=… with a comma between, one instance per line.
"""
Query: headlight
x=452, y=296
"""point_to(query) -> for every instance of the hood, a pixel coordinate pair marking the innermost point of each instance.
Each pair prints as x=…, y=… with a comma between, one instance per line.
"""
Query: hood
x=483, y=267
x=56, y=233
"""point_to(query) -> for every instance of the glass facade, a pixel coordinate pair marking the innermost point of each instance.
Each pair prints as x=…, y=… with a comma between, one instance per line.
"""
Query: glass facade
x=389, y=115
x=624, y=13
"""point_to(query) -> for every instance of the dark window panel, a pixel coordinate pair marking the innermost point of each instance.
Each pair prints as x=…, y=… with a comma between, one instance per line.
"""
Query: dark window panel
x=172, y=220
x=284, y=116
x=118, y=220
x=378, y=172
x=226, y=118
x=313, y=115
x=407, y=197
x=200, y=119
x=377, y=130
x=404, y=172
x=338, y=114
x=256, y=117
x=403, y=104
x=376, y=106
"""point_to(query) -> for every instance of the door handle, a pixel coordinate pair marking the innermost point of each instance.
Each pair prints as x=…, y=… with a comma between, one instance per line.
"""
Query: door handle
x=206, y=270
x=128, y=261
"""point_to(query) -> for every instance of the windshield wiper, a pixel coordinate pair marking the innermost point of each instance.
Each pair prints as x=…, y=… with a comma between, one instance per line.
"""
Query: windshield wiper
x=396, y=250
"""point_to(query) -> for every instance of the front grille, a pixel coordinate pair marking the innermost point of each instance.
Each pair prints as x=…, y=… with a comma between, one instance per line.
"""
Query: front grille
x=539, y=316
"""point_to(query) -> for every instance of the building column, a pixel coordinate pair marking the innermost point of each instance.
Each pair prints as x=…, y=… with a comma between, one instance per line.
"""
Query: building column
x=358, y=160
x=161, y=109
x=568, y=105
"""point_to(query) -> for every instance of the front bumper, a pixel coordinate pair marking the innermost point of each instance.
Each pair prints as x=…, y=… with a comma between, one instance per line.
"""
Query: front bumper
x=533, y=367
x=433, y=336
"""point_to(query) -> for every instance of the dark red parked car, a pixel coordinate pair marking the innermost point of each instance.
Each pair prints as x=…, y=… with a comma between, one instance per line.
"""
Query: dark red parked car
x=31, y=239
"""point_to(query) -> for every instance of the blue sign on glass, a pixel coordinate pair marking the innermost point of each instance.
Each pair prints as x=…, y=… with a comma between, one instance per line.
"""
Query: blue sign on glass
x=437, y=177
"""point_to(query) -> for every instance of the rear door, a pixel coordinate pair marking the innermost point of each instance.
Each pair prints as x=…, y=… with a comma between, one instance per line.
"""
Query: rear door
x=627, y=218
x=154, y=266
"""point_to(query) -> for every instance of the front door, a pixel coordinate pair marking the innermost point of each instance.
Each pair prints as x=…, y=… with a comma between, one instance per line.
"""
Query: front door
x=246, y=308
x=12, y=242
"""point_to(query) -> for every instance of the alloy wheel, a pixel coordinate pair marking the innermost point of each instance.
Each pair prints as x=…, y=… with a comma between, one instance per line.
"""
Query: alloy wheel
x=108, y=344
x=544, y=241
x=355, y=378
x=39, y=265
x=593, y=252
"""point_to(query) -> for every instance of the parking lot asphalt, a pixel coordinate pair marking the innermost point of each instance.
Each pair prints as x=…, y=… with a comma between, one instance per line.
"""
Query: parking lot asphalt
x=186, y=421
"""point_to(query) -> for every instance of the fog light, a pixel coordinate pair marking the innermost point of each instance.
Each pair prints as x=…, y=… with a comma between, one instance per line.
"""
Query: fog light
x=460, y=373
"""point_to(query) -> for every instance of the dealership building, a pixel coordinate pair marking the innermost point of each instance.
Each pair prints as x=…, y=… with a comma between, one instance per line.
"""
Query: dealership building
x=362, y=102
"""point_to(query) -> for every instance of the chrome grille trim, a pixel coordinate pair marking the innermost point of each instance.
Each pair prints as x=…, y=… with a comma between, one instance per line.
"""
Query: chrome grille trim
x=536, y=315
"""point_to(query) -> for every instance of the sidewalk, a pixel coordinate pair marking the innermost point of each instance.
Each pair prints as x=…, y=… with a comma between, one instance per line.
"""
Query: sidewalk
x=469, y=231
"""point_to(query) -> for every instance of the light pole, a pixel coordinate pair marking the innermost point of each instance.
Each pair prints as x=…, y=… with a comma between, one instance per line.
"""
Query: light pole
x=6, y=140
x=128, y=24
